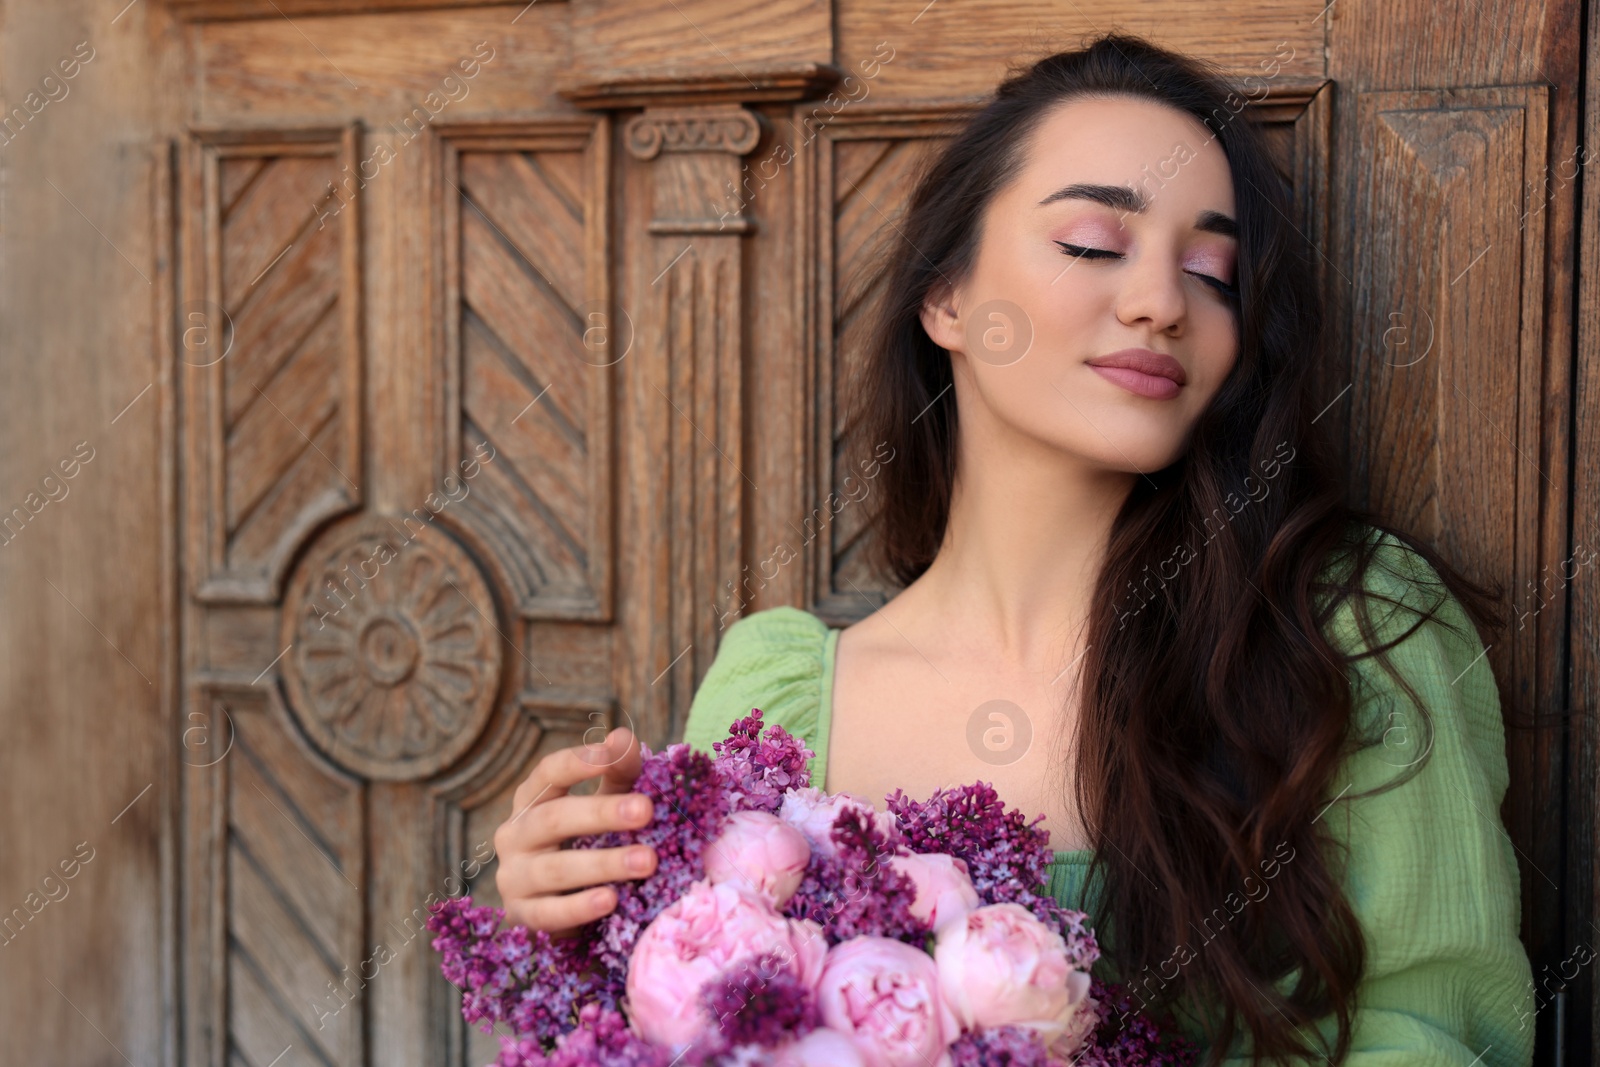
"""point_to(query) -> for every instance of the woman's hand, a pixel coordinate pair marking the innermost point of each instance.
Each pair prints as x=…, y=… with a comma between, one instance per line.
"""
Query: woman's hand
x=537, y=875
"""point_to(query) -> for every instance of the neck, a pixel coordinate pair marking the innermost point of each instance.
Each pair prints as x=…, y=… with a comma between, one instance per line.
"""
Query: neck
x=1023, y=545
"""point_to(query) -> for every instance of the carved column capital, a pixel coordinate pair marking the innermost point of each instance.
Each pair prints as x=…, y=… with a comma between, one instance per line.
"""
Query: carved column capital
x=725, y=128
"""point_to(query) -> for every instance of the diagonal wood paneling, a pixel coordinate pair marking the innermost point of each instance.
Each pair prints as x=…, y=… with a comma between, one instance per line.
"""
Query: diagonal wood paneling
x=275, y=897
x=870, y=181
x=295, y=904
x=525, y=289
x=270, y=350
x=866, y=162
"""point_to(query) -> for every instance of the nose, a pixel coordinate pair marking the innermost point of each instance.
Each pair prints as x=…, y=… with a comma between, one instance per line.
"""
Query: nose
x=1153, y=295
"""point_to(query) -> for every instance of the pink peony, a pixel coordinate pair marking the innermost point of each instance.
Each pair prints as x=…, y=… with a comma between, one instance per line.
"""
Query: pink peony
x=697, y=938
x=822, y=1047
x=1003, y=967
x=812, y=812
x=885, y=995
x=1084, y=1020
x=944, y=890
x=761, y=852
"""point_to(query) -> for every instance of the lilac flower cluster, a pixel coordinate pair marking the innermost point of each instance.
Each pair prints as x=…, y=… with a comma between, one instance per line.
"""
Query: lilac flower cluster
x=757, y=771
x=760, y=1002
x=1001, y=1046
x=1137, y=1042
x=1007, y=857
x=602, y=1039
x=856, y=892
x=529, y=981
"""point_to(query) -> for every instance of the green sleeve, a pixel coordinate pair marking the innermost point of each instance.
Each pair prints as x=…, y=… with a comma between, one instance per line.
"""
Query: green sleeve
x=772, y=660
x=1431, y=873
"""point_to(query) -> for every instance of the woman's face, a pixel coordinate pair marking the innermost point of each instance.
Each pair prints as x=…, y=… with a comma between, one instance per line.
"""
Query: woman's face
x=1114, y=236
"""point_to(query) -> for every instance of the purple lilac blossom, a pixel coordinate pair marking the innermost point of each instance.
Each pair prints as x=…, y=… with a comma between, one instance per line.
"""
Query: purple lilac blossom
x=525, y=979
x=760, y=1001
x=758, y=770
x=602, y=1039
x=1000, y=1046
x=1126, y=1037
x=856, y=892
x=533, y=983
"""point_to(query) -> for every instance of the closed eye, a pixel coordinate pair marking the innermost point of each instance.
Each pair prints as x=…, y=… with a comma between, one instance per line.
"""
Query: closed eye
x=1080, y=252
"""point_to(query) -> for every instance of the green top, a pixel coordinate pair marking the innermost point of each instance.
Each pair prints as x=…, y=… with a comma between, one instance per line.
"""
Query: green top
x=1431, y=875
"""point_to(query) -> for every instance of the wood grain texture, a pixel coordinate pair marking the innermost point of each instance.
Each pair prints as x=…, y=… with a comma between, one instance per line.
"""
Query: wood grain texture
x=294, y=885
x=270, y=346
x=219, y=10
x=273, y=901
x=85, y=641
x=283, y=72
x=526, y=320
x=936, y=55
x=866, y=165
x=751, y=83
x=614, y=40
x=692, y=326
x=1437, y=398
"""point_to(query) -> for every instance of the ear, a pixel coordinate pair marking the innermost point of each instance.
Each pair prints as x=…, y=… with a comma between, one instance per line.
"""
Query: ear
x=941, y=318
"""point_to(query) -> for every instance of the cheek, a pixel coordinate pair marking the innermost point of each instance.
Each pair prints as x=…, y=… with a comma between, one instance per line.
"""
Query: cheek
x=1215, y=338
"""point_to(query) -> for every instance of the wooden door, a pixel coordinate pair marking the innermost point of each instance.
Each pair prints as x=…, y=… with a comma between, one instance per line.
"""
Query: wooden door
x=498, y=356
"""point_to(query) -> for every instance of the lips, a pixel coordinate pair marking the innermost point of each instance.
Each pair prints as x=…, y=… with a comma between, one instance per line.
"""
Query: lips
x=1143, y=372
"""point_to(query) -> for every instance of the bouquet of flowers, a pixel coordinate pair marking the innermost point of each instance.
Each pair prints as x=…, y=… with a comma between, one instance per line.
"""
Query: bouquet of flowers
x=791, y=927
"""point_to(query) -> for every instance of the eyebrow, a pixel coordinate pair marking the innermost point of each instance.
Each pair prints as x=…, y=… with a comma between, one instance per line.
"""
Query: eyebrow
x=1127, y=198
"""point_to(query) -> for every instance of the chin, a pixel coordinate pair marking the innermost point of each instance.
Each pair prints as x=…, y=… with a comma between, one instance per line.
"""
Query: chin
x=1130, y=457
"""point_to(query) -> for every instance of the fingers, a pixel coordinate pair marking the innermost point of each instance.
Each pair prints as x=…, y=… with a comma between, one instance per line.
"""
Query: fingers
x=548, y=825
x=562, y=915
x=547, y=887
x=556, y=773
x=549, y=873
x=620, y=760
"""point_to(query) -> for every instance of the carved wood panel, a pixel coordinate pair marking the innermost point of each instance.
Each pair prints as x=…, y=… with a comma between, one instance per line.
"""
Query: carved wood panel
x=1446, y=441
x=529, y=347
x=366, y=685
x=1449, y=432
x=271, y=346
x=865, y=166
x=393, y=656
x=276, y=893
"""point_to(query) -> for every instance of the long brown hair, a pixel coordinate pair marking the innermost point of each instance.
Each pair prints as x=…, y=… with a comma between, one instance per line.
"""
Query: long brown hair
x=1215, y=714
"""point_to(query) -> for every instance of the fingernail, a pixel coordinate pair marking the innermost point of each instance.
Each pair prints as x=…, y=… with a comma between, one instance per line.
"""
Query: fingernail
x=638, y=808
x=638, y=861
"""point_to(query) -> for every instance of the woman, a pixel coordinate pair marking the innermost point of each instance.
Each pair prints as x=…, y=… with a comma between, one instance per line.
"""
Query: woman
x=1259, y=725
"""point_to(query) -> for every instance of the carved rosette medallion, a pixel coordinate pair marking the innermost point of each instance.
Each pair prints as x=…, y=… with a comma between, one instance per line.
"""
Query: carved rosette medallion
x=393, y=657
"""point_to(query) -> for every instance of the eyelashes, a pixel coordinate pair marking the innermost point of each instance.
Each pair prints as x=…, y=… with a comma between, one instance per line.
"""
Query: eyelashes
x=1080, y=252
